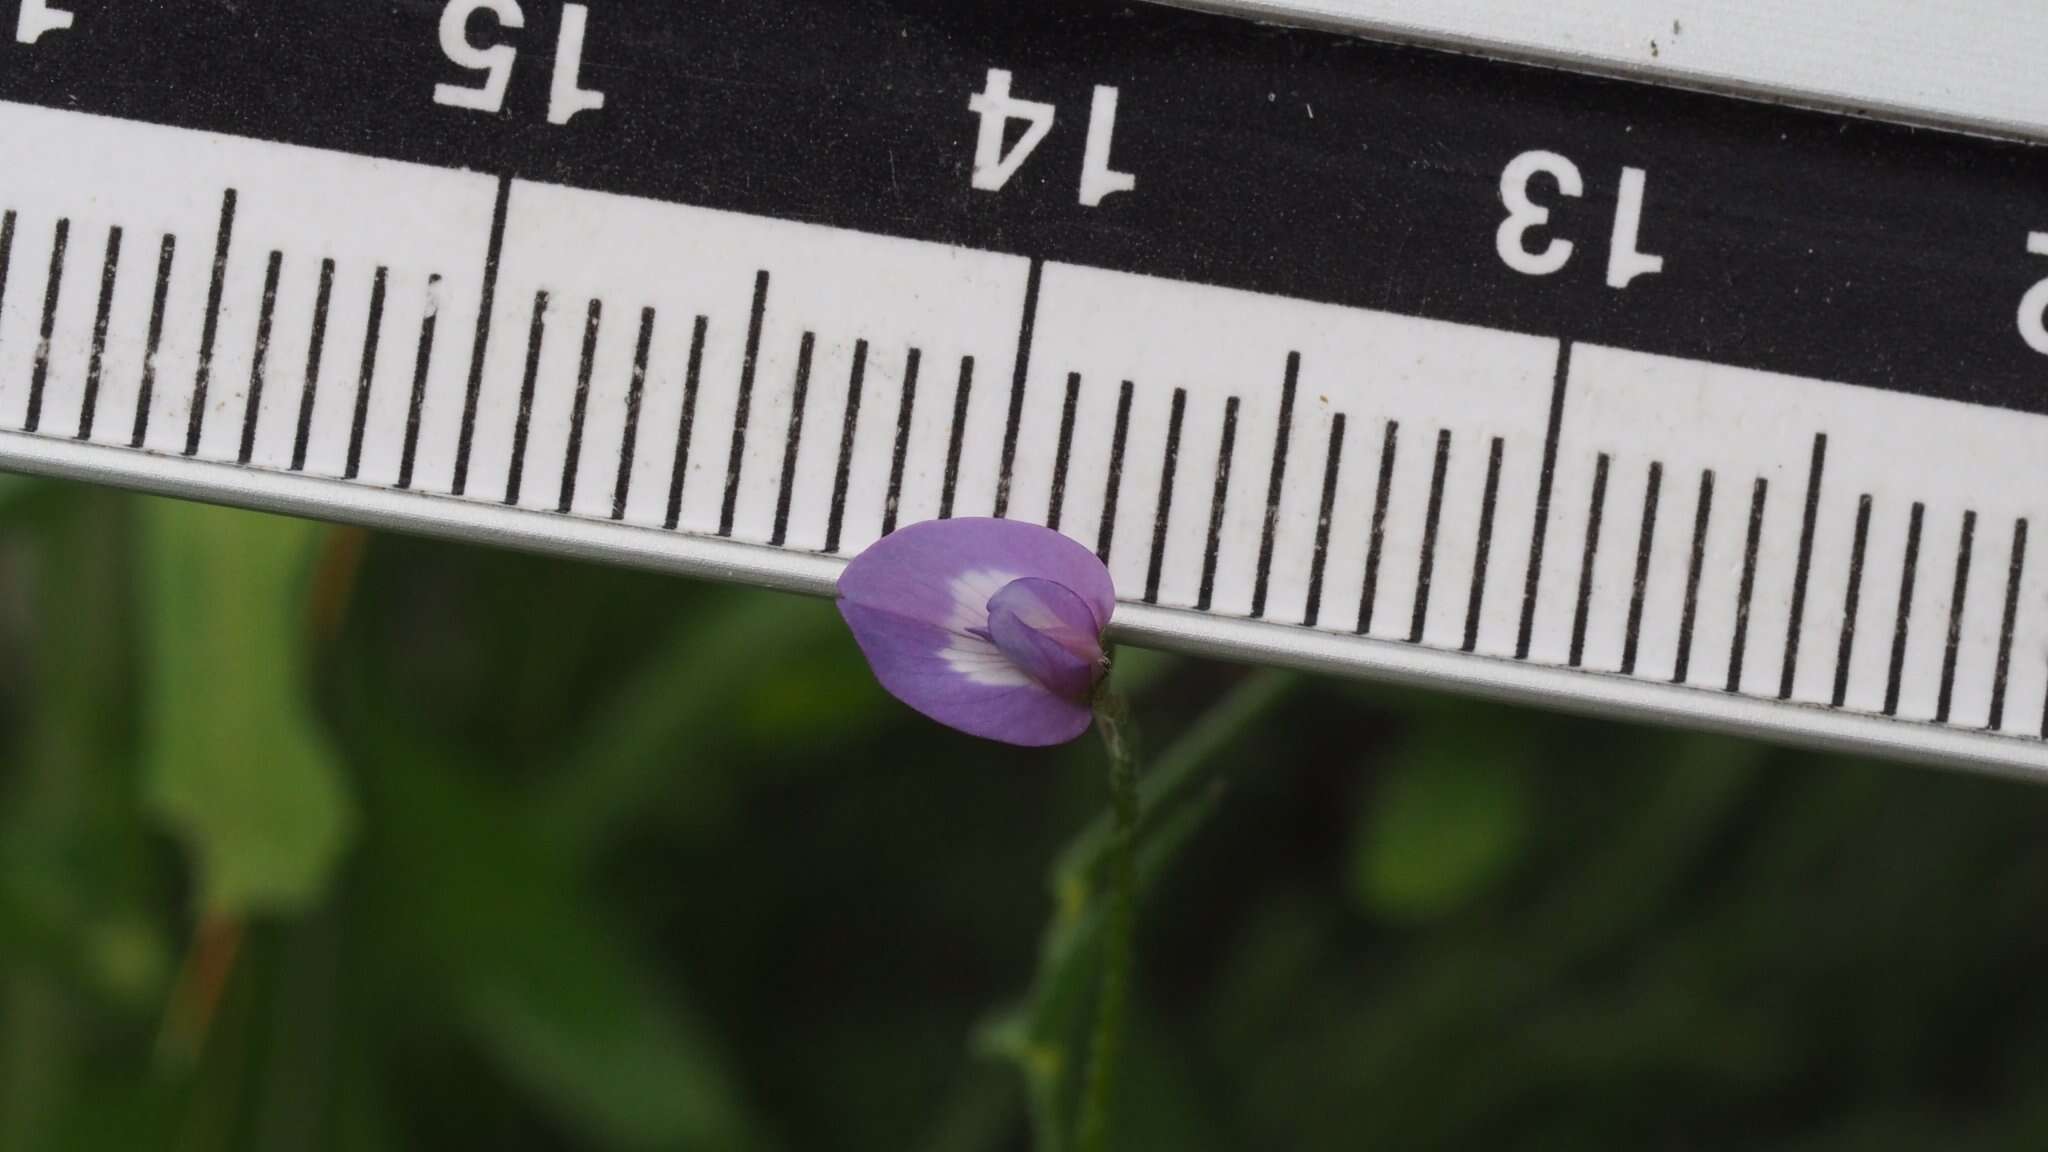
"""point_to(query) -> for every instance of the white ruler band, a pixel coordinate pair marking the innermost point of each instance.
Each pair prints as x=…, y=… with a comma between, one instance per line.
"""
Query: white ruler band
x=1546, y=418
x=1970, y=64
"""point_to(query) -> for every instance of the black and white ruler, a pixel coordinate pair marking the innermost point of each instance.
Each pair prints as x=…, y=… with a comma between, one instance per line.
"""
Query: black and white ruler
x=1343, y=354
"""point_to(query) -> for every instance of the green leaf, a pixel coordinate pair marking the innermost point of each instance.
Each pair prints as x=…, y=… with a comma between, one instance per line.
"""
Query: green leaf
x=1138, y=670
x=535, y=969
x=13, y=487
x=709, y=676
x=237, y=764
x=826, y=699
x=79, y=942
x=1451, y=816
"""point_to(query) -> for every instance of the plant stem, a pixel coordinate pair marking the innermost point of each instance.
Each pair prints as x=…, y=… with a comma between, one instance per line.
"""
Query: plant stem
x=1180, y=792
x=1192, y=766
x=1112, y=718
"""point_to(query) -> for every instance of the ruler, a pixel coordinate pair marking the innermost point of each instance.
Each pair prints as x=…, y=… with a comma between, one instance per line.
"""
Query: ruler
x=1347, y=355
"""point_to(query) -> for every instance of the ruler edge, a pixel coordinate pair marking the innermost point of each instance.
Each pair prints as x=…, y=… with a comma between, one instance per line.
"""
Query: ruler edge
x=1577, y=691
x=1283, y=13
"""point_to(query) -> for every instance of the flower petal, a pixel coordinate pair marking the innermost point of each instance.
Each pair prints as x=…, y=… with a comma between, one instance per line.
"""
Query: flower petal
x=945, y=571
x=962, y=681
x=1049, y=633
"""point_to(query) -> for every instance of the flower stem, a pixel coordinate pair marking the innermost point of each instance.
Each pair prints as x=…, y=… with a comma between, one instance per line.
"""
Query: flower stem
x=1113, y=720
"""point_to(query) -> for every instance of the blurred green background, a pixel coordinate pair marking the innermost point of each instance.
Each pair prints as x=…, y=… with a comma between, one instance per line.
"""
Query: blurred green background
x=317, y=839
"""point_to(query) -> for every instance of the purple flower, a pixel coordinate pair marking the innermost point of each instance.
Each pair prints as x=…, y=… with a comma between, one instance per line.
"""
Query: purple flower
x=993, y=627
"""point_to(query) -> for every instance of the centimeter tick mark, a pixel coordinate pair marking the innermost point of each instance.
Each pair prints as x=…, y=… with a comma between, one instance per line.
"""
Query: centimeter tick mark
x=1702, y=515
x=1276, y=484
x=1900, y=629
x=422, y=362
x=1955, y=617
x=843, y=476
x=1594, y=516
x=1740, y=646
x=259, y=356
x=1645, y=544
x=536, y=336
x=636, y=389
x=366, y=377
x=196, y=420
x=1853, y=602
x=1540, y=530
x=1333, y=463
x=1813, y=483
x=736, y=458
x=1218, y=502
x=794, y=445
x=6, y=252
x=1167, y=469
x=1017, y=381
x=2014, y=571
x=1426, y=572
x=906, y=408
x=1057, y=502
x=486, y=302
x=679, y=471
x=1368, y=595
x=593, y=320
x=957, y=438
x=165, y=255
x=1484, y=547
x=53, y=288
x=109, y=270
x=1105, y=534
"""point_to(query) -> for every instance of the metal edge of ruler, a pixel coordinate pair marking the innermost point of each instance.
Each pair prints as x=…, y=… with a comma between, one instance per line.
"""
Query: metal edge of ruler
x=1195, y=633
x=1965, y=105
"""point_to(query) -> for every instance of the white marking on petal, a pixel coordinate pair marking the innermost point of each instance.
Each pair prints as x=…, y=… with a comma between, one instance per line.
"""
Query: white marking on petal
x=972, y=590
x=976, y=660
x=980, y=662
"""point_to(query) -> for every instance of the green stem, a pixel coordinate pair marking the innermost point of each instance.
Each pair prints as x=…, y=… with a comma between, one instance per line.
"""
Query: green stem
x=1112, y=718
x=1191, y=767
x=1181, y=790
